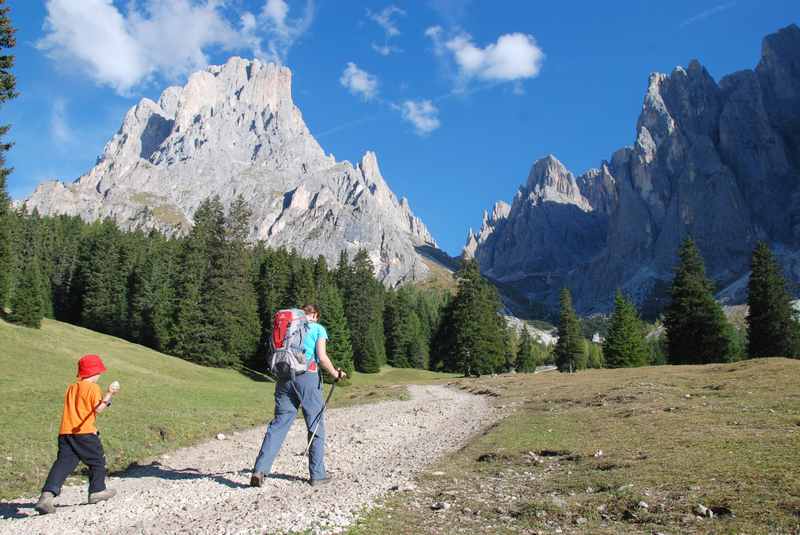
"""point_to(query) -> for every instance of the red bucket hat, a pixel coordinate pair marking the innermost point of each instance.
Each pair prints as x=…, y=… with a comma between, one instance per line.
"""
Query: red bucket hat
x=90, y=365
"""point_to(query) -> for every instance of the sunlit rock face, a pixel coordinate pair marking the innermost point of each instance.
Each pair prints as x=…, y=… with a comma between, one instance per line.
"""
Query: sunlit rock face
x=716, y=161
x=234, y=130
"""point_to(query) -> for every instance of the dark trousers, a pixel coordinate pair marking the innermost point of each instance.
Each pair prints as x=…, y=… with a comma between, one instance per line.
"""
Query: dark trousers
x=73, y=449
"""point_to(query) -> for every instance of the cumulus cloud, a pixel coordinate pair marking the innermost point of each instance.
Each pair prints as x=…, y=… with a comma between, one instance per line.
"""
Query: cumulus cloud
x=513, y=57
x=422, y=114
x=386, y=19
x=166, y=38
x=359, y=82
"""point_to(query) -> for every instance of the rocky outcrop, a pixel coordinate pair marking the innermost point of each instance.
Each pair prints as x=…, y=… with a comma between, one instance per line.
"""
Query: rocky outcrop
x=234, y=130
x=719, y=162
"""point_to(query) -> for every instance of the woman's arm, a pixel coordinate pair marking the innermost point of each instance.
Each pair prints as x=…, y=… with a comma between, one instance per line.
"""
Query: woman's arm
x=325, y=361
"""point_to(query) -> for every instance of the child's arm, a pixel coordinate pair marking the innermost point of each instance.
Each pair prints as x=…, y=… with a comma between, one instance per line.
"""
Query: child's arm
x=106, y=401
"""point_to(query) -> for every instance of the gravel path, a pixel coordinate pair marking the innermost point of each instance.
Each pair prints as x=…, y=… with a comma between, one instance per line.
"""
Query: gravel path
x=204, y=489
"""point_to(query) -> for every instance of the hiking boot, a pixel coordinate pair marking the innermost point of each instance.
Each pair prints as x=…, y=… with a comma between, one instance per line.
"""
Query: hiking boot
x=45, y=504
x=320, y=482
x=103, y=495
x=257, y=479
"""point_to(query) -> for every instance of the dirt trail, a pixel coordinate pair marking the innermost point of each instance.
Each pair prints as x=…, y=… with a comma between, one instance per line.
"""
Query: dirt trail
x=204, y=489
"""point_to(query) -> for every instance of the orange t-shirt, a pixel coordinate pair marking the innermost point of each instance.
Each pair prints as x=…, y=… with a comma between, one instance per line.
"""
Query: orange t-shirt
x=80, y=401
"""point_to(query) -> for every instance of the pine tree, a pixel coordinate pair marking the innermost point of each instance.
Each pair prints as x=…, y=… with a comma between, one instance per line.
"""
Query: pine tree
x=26, y=304
x=343, y=271
x=240, y=329
x=334, y=320
x=526, y=358
x=198, y=322
x=8, y=85
x=364, y=305
x=28, y=299
x=472, y=337
x=569, y=352
x=273, y=290
x=513, y=343
x=697, y=331
x=594, y=355
x=302, y=288
x=772, y=330
x=625, y=346
x=101, y=292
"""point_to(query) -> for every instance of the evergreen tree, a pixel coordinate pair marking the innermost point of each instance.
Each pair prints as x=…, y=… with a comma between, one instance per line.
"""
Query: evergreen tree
x=697, y=331
x=343, y=271
x=594, y=355
x=240, y=327
x=569, y=352
x=198, y=322
x=772, y=330
x=151, y=301
x=472, y=339
x=334, y=320
x=273, y=290
x=26, y=304
x=625, y=346
x=364, y=309
x=102, y=291
x=302, y=288
x=526, y=357
x=513, y=342
x=8, y=85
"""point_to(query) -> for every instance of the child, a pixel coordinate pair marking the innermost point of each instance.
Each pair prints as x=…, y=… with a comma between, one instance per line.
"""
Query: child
x=78, y=439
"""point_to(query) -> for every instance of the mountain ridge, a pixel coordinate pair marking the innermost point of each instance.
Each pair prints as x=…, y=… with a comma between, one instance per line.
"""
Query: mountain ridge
x=232, y=130
x=717, y=161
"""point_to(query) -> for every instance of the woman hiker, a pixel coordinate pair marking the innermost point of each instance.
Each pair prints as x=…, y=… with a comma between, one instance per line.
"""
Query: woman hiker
x=306, y=392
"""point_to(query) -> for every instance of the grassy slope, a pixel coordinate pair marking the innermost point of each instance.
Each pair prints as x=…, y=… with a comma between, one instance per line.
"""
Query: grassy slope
x=164, y=403
x=673, y=437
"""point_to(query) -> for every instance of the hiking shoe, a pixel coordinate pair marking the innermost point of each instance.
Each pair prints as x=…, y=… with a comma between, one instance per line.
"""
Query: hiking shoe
x=103, y=495
x=45, y=504
x=320, y=482
x=257, y=479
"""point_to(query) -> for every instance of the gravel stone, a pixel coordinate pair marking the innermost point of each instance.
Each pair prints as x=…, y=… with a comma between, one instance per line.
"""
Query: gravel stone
x=205, y=489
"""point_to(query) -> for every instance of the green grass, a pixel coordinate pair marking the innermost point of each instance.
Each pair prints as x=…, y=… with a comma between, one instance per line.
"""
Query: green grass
x=672, y=436
x=164, y=402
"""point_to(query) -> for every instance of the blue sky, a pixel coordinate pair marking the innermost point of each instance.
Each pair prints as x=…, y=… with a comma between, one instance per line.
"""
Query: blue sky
x=456, y=97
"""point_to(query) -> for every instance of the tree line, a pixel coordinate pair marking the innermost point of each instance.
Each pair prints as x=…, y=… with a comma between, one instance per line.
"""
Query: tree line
x=208, y=297
x=695, y=329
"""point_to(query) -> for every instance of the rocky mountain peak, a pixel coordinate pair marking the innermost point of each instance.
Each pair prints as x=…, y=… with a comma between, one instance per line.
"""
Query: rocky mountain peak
x=719, y=162
x=233, y=130
x=550, y=181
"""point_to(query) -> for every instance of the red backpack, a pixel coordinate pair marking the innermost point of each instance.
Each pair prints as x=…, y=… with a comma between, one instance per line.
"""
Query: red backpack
x=288, y=355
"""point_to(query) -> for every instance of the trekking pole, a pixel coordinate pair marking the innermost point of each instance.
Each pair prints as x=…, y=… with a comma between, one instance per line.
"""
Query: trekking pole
x=319, y=417
x=240, y=368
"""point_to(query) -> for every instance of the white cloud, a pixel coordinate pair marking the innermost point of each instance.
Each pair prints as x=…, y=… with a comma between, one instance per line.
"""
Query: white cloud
x=359, y=82
x=59, y=127
x=422, y=114
x=386, y=19
x=386, y=49
x=168, y=38
x=284, y=31
x=513, y=57
x=710, y=12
